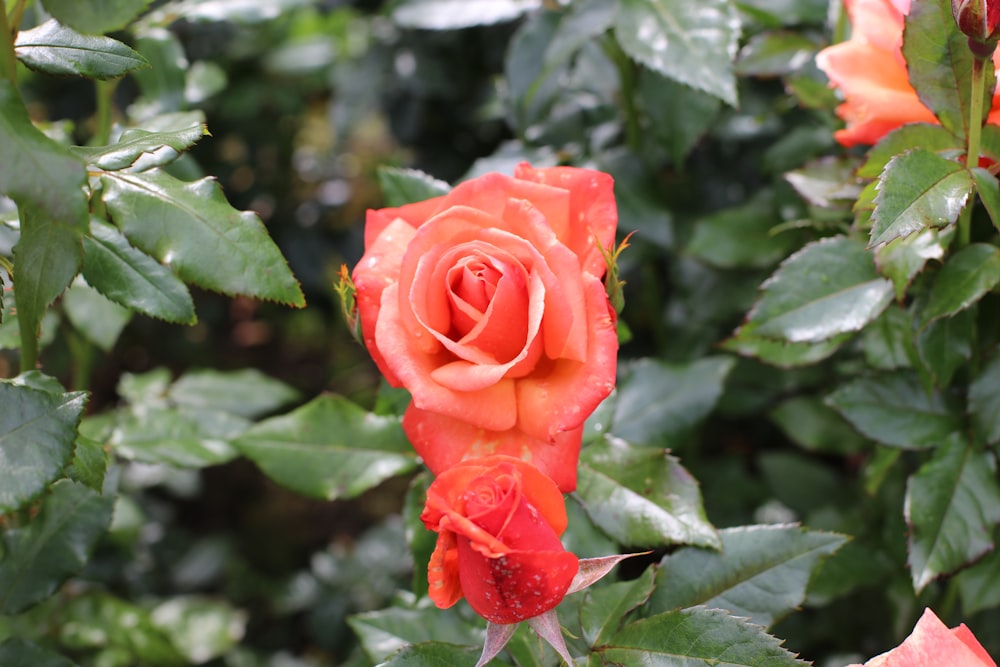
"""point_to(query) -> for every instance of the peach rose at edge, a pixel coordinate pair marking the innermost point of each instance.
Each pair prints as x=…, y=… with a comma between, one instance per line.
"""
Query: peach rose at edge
x=933, y=644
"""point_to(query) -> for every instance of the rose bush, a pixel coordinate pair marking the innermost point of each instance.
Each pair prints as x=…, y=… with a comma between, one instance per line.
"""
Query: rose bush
x=870, y=72
x=498, y=521
x=487, y=305
x=933, y=644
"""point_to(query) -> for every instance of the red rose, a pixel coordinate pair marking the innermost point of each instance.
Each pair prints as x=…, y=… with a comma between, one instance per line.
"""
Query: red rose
x=498, y=521
x=870, y=72
x=487, y=305
x=932, y=644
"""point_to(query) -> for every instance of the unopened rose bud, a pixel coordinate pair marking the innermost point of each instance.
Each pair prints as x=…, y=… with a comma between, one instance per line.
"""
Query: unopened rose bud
x=979, y=21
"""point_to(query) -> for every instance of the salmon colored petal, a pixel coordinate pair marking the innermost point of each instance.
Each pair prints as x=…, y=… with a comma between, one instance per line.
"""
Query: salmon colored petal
x=879, y=23
x=444, y=586
x=964, y=634
x=516, y=586
x=593, y=213
x=413, y=214
x=542, y=409
x=443, y=442
x=932, y=644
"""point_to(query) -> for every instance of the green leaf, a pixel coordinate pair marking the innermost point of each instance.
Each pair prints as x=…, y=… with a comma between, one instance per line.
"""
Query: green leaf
x=432, y=654
x=36, y=171
x=37, y=430
x=918, y=189
x=642, y=496
x=454, y=14
x=761, y=573
x=693, y=43
x=99, y=320
x=979, y=585
x=140, y=149
x=420, y=540
x=177, y=436
x=387, y=631
x=775, y=53
x=329, y=448
x=746, y=342
x=21, y=653
x=826, y=182
x=604, y=608
x=929, y=137
x=678, y=115
x=894, y=410
x=199, y=627
x=580, y=23
x=946, y=344
x=827, y=288
x=659, y=403
x=247, y=12
x=132, y=278
x=56, y=545
x=984, y=401
x=815, y=427
x=742, y=237
x=901, y=259
x=247, y=392
x=55, y=49
x=989, y=193
x=193, y=229
x=965, y=278
x=888, y=341
x=162, y=85
x=952, y=505
x=95, y=16
x=939, y=63
x=149, y=388
x=98, y=621
x=695, y=637
x=407, y=186
x=90, y=463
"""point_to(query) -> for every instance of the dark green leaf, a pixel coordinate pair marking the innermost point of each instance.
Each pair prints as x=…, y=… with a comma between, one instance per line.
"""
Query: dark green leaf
x=95, y=16
x=432, y=654
x=162, y=85
x=918, y=189
x=406, y=186
x=964, y=279
x=775, y=54
x=21, y=653
x=248, y=392
x=888, y=341
x=924, y=135
x=678, y=115
x=761, y=573
x=56, y=545
x=742, y=237
x=454, y=14
x=952, y=506
x=979, y=585
x=900, y=260
x=946, y=344
x=141, y=150
x=99, y=320
x=36, y=171
x=37, y=430
x=90, y=463
x=896, y=411
x=181, y=436
x=582, y=21
x=604, y=608
x=828, y=288
x=659, y=403
x=642, y=496
x=984, y=401
x=815, y=427
x=420, y=540
x=989, y=193
x=132, y=278
x=695, y=637
x=387, y=631
x=786, y=12
x=55, y=49
x=329, y=448
x=192, y=228
x=746, y=342
x=693, y=43
x=939, y=63
x=823, y=182
x=199, y=627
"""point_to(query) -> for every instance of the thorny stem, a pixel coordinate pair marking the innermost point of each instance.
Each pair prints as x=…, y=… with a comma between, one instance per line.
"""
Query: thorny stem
x=975, y=134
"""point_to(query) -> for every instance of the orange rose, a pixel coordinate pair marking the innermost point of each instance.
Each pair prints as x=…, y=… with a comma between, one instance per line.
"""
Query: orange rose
x=932, y=644
x=498, y=521
x=487, y=305
x=870, y=72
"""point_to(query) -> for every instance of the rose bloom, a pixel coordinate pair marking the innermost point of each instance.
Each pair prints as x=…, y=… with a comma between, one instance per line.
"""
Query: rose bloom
x=487, y=305
x=498, y=521
x=870, y=72
x=932, y=644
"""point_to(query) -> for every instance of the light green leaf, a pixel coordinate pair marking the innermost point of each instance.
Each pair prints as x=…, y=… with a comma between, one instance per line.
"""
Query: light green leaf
x=691, y=42
x=436, y=654
x=761, y=573
x=826, y=182
x=132, y=278
x=984, y=401
x=248, y=392
x=199, y=627
x=329, y=448
x=979, y=585
x=95, y=16
x=454, y=14
x=827, y=288
x=642, y=496
x=37, y=430
x=747, y=343
x=952, y=505
x=582, y=21
x=98, y=621
x=929, y=137
x=604, y=608
x=89, y=464
x=658, y=403
x=99, y=320
x=696, y=637
x=247, y=12
x=814, y=426
x=141, y=149
x=901, y=259
x=965, y=278
x=55, y=49
x=407, y=186
x=895, y=410
x=775, y=53
x=162, y=85
x=56, y=545
x=21, y=653
x=193, y=229
x=384, y=632
x=178, y=436
x=918, y=189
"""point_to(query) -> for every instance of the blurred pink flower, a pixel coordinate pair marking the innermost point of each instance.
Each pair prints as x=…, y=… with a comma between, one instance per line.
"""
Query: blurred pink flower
x=933, y=644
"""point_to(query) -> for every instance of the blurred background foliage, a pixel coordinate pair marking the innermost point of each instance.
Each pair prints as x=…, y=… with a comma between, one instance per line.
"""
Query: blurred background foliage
x=305, y=100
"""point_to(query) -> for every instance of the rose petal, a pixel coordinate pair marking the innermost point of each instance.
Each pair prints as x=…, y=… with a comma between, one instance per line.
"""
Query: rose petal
x=443, y=584
x=932, y=644
x=879, y=23
x=414, y=215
